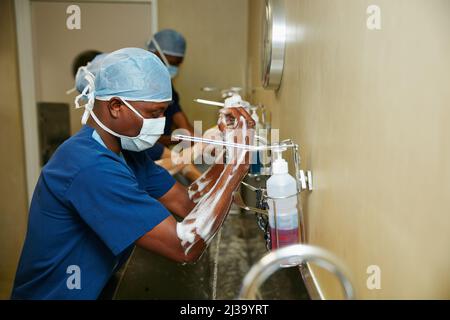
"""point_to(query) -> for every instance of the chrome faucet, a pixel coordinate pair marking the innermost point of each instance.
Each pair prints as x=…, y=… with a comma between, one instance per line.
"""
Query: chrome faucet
x=298, y=254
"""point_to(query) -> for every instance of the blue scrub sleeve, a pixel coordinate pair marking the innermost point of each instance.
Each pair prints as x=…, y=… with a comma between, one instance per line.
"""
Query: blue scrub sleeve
x=154, y=179
x=159, y=180
x=108, y=199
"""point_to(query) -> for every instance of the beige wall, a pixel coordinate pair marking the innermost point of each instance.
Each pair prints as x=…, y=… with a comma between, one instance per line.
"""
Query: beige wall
x=13, y=204
x=216, y=49
x=55, y=46
x=216, y=55
x=370, y=111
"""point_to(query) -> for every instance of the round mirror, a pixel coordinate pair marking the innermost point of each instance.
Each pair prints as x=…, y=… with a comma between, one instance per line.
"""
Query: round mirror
x=273, y=44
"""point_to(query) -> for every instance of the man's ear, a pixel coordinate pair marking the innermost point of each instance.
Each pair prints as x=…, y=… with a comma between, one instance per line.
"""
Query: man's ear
x=114, y=106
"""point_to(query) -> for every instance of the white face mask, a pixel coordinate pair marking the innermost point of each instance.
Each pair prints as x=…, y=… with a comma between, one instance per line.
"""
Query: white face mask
x=151, y=131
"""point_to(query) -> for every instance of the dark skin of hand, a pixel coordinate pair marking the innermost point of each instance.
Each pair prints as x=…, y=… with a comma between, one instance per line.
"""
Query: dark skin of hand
x=162, y=239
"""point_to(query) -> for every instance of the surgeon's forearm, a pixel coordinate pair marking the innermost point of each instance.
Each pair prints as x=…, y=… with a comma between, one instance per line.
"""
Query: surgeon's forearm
x=177, y=201
x=206, y=218
x=163, y=240
x=203, y=185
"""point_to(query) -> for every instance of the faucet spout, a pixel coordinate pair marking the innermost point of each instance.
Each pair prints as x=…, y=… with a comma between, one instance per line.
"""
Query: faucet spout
x=299, y=254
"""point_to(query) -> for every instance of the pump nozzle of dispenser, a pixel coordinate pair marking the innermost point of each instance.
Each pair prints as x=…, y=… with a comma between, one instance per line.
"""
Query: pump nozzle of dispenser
x=226, y=93
x=277, y=152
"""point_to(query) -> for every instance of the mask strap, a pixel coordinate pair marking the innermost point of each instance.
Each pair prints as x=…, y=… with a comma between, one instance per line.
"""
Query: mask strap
x=132, y=108
x=91, y=112
x=106, y=128
x=71, y=90
x=163, y=56
x=89, y=93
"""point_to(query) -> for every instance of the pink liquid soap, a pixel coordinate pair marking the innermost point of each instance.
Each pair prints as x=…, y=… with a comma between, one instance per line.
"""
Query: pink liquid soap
x=283, y=238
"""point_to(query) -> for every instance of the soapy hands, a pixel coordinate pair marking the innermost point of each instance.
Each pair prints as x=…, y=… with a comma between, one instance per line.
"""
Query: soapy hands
x=237, y=126
x=234, y=125
x=234, y=118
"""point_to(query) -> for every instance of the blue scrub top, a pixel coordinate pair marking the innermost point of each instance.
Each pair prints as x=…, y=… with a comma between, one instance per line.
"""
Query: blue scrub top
x=155, y=152
x=89, y=207
x=173, y=108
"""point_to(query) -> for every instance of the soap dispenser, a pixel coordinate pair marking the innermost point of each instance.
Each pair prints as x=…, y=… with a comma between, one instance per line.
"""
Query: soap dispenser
x=283, y=212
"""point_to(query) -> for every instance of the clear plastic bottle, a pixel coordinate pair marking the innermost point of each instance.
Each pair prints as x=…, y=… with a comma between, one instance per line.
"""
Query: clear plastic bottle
x=284, y=230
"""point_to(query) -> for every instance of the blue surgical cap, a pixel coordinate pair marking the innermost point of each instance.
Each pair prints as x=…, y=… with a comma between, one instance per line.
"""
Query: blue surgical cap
x=170, y=41
x=80, y=80
x=132, y=74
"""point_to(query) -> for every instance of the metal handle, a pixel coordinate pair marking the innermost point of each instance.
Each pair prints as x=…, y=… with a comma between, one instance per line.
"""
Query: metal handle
x=210, y=103
x=299, y=254
x=241, y=204
x=305, y=180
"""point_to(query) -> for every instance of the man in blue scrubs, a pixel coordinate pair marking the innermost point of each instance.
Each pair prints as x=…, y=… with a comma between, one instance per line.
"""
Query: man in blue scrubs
x=170, y=46
x=100, y=193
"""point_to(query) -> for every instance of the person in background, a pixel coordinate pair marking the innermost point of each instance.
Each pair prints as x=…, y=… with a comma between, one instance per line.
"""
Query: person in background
x=158, y=153
x=170, y=46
